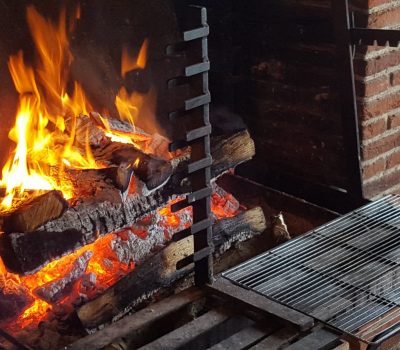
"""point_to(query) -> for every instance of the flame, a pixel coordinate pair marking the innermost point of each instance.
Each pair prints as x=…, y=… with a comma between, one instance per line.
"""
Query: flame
x=43, y=103
x=104, y=263
x=129, y=62
x=129, y=105
x=46, y=121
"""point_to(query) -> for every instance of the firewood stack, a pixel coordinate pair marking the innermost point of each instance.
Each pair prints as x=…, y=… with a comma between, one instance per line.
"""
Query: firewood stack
x=128, y=194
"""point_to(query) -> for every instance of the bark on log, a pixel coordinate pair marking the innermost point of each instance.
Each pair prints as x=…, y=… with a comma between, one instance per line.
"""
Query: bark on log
x=35, y=212
x=93, y=130
x=108, y=211
x=78, y=226
x=160, y=270
x=229, y=152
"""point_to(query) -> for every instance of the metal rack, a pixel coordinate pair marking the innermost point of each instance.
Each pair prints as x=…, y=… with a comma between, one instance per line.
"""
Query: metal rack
x=345, y=274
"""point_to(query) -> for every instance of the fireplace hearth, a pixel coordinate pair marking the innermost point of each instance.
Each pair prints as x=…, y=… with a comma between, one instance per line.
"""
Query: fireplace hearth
x=130, y=216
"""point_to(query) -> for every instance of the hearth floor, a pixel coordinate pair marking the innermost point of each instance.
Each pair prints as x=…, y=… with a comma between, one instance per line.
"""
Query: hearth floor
x=219, y=316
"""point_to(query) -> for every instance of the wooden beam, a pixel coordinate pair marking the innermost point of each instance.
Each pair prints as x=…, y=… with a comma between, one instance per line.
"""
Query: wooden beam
x=245, y=338
x=138, y=322
x=321, y=339
x=197, y=328
x=225, y=288
x=278, y=339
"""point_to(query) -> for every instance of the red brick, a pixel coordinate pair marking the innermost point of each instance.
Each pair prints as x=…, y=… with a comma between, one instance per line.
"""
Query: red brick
x=373, y=169
x=386, y=18
x=394, y=121
x=393, y=160
x=377, y=64
x=384, y=104
x=374, y=129
x=394, y=78
x=373, y=87
x=381, y=184
x=380, y=146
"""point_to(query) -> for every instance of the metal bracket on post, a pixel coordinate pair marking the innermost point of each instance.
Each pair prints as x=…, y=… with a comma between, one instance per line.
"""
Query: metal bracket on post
x=197, y=136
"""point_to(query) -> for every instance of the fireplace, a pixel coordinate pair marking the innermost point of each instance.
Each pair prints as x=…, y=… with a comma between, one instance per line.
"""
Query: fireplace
x=124, y=184
x=77, y=170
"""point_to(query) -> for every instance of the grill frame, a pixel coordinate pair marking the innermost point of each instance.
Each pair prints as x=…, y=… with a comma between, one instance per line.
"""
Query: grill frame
x=289, y=266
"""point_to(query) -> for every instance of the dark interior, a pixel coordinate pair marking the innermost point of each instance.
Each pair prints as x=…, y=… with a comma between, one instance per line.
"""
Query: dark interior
x=262, y=56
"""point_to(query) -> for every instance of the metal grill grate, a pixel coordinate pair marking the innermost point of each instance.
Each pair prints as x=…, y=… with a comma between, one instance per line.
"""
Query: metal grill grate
x=345, y=273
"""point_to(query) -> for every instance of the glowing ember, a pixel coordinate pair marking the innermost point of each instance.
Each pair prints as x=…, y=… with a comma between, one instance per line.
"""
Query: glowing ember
x=106, y=265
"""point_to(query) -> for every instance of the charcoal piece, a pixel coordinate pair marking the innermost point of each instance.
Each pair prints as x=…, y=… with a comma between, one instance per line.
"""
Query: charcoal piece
x=58, y=289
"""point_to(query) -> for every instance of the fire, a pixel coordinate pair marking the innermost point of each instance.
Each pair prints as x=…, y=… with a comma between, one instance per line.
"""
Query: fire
x=129, y=105
x=103, y=264
x=129, y=62
x=45, y=130
x=39, y=131
x=46, y=138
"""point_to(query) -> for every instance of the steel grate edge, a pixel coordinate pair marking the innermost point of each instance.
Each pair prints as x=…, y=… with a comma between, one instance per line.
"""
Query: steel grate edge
x=345, y=274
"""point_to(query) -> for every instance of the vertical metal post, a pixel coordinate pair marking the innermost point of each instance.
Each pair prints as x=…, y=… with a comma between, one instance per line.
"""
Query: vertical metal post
x=195, y=114
x=346, y=84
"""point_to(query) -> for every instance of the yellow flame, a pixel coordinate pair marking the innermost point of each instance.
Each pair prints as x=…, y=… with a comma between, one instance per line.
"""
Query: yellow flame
x=45, y=130
x=40, y=127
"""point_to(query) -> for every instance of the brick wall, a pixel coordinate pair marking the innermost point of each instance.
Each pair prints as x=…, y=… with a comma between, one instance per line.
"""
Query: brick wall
x=377, y=72
x=275, y=60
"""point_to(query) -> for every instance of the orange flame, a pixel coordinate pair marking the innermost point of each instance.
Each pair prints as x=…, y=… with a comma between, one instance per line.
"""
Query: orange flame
x=129, y=105
x=129, y=62
x=46, y=122
x=39, y=130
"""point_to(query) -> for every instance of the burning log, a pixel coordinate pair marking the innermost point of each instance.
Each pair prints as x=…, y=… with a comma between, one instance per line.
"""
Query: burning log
x=34, y=213
x=77, y=227
x=105, y=210
x=160, y=270
x=93, y=129
x=114, y=125
x=153, y=171
x=56, y=290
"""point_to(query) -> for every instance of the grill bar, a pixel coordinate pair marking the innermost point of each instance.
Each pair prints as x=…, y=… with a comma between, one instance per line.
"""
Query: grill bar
x=296, y=244
x=345, y=273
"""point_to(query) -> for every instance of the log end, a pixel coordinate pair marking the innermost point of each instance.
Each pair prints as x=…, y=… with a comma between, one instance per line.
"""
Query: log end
x=35, y=213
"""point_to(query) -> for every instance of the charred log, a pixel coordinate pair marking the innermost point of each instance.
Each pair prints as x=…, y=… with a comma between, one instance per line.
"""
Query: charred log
x=56, y=290
x=12, y=304
x=237, y=229
x=26, y=253
x=160, y=270
x=102, y=208
x=151, y=170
